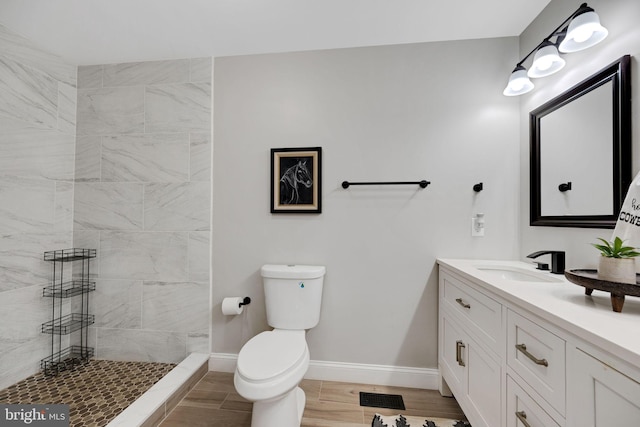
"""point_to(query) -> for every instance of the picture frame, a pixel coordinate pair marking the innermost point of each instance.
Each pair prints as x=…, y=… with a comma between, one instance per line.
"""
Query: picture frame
x=296, y=180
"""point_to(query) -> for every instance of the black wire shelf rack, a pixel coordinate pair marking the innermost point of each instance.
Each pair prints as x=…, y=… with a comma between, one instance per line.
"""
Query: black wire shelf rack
x=67, y=281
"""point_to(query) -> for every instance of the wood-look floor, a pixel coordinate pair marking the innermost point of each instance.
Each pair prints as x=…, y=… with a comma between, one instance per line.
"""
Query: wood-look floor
x=214, y=402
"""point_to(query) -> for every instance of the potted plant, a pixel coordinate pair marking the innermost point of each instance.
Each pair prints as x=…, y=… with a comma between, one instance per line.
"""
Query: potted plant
x=617, y=263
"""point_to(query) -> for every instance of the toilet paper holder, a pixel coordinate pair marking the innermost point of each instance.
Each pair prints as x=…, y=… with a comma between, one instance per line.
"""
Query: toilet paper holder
x=245, y=301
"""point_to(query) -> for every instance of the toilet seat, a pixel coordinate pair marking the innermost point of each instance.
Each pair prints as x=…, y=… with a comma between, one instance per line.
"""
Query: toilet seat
x=271, y=363
x=271, y=354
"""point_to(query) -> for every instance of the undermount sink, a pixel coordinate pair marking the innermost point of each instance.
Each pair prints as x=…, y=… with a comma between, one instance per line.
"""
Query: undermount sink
x=516, y=274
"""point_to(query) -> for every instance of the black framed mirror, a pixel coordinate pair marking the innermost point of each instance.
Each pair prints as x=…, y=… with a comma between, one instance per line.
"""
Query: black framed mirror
x=580, y=152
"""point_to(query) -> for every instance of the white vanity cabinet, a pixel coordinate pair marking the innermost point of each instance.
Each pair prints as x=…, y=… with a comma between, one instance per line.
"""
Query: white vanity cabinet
x=469, y=332
x=514, y=359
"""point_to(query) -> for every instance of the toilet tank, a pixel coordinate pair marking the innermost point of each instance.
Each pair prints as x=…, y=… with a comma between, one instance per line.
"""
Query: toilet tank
x=293, y=295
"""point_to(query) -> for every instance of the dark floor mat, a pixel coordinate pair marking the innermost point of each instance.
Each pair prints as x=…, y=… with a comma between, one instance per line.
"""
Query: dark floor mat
x=379, y=400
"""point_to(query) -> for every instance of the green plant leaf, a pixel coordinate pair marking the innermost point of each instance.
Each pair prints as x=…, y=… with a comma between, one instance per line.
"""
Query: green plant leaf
x=617, y=244
x=604, y=249
x=615, y=249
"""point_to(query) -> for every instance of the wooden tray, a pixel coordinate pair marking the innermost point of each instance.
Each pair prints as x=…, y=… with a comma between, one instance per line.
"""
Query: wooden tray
x=589, y=279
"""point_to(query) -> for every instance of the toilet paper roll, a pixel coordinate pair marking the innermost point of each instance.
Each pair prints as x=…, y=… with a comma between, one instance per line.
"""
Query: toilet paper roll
x=231, y=306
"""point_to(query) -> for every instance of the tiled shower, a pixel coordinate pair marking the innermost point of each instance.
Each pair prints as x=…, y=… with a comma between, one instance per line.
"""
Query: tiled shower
x=114, y=157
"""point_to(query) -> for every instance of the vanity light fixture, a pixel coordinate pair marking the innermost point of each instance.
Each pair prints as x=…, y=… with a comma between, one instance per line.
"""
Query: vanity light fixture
x=579, y=31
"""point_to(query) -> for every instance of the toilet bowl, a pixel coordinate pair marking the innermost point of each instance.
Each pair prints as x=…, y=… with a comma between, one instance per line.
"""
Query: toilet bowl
x=270, y=367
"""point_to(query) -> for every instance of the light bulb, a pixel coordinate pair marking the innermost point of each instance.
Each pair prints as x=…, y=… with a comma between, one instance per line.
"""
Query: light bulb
x=582, y=34
x=544, y=64
x=517, y=85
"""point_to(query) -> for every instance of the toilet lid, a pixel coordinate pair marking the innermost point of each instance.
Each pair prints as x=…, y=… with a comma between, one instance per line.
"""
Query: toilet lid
x=270, y=354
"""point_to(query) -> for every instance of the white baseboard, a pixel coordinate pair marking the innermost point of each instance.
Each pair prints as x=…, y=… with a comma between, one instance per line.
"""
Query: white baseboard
x=223, y=362
x=400, y=376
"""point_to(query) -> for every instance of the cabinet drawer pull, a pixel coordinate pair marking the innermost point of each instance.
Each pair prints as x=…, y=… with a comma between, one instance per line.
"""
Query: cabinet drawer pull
x=522, y=416
x=523, y=349
x=459, y=346
x=462, y=303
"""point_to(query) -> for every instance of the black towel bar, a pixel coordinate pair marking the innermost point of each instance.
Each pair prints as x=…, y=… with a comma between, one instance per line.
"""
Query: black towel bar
x=422, y=184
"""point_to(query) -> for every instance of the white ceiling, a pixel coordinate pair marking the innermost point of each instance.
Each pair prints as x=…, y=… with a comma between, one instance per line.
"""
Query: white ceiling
x=88, y=32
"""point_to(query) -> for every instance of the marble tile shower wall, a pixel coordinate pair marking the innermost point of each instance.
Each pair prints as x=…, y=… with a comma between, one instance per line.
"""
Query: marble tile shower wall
x=142, y=197
x=37, y=152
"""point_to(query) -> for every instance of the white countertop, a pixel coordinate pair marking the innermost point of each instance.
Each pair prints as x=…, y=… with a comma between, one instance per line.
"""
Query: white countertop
x=565, y=304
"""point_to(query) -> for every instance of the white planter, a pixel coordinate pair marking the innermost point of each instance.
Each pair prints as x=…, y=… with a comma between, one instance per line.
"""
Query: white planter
x=620, y=270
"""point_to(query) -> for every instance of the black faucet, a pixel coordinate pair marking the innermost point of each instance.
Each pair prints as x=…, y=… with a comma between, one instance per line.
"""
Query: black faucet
x=557, y=261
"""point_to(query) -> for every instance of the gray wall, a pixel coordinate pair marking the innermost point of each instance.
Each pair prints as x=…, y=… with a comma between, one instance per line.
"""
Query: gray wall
x=430, y=111
x=37, y=142
x=143, y=172
x=620, y=17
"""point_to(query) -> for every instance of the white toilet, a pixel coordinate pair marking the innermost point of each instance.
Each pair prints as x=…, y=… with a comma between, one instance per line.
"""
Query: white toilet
x=272, y=364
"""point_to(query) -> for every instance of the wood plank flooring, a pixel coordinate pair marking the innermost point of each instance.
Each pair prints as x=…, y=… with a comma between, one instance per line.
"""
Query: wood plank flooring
x=214, y=402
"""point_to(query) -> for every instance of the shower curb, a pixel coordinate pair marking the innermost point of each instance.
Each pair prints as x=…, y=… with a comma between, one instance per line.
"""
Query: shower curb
x=156, y=403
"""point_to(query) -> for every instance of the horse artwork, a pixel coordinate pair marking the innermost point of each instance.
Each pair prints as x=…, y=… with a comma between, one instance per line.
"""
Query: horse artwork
x=295, y=180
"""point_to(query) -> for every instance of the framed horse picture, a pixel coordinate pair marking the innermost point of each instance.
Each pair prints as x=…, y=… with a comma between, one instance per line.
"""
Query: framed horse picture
x=296, y=182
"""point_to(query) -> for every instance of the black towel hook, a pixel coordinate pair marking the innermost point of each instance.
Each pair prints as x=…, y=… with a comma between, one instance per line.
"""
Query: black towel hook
x=478, y=187
x=564, y=186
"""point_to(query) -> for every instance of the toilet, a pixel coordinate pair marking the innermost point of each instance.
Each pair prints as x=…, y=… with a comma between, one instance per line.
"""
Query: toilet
x=272, y=364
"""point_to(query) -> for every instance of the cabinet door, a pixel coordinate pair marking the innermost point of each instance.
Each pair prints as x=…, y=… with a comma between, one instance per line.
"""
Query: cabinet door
x=452, y=355
x=473, y=376
x=600, y=396
x=484, y=385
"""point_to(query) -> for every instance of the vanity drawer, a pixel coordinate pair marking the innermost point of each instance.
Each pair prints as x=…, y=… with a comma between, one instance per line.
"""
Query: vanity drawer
x=522, y=410
x=479, y=313
x=538, y=357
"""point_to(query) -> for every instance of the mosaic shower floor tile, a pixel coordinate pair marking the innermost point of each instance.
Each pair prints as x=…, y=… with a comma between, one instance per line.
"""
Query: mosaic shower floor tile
x=96, y=392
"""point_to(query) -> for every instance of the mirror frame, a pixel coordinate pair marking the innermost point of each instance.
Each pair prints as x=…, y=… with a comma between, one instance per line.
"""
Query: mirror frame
x=619, y=74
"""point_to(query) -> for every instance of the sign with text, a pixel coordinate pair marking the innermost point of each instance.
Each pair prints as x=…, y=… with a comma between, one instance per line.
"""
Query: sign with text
x=36, y=415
